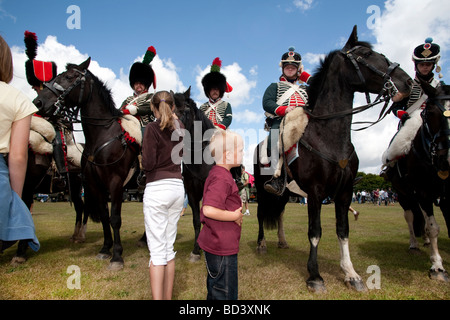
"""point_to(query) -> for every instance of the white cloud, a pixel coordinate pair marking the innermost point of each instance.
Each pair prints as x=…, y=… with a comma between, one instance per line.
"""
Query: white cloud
x=303, y=4
x=247, y=117
x=51, y=50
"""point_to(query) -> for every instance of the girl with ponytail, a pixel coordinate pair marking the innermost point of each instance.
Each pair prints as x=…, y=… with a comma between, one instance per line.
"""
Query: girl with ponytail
x=164, y=192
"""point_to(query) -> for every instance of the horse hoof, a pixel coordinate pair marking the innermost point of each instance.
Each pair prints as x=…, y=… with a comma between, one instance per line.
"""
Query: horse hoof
x=17, y=261
x=356, y=284
x=316, y=286
x=261, y=249
x=194, y=257
x=439, y=275
x=115, y=266
x=283, y=245
x=103, y=256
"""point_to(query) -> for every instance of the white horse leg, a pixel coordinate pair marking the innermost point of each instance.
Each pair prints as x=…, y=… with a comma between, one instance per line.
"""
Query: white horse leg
x=437, y=271
x=409, y=217
x=282, y=243
x=352, y=279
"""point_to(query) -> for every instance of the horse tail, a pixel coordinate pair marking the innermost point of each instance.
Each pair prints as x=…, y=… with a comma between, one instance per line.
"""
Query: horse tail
x=270, y=207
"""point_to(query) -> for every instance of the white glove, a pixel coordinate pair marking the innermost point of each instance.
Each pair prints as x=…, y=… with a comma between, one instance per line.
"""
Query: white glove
x=132, y=108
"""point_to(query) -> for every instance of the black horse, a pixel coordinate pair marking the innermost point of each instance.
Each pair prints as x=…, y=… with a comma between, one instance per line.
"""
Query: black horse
x=107, y=157
x=421, y=177
x=327, y=162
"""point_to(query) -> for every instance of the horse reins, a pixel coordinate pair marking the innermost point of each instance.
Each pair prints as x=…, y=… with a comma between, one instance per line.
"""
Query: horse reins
x=388, y=91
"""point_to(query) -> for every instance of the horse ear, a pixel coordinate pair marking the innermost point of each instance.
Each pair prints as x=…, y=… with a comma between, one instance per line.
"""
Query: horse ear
x=351, y=42
x=187, y=93
x=85, y=65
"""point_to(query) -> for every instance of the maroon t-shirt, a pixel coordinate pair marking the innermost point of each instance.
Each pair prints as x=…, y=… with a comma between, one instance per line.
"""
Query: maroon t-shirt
x=220, y=237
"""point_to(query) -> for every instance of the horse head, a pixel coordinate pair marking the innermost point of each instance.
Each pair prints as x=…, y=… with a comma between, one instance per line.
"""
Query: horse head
x=187, y=111
x=436, y=126
x=65, y=93
x=372, y=71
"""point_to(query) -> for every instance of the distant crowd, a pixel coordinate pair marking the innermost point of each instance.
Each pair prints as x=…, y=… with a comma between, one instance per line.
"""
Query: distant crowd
x=376, y=197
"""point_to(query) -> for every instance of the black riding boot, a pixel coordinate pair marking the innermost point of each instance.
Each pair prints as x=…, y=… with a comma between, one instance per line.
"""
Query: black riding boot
x=276, y=185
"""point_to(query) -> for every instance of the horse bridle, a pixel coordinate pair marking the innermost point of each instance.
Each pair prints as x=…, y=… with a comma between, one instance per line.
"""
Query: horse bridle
x=61, y=94
x=62, y=111
x=389, y=88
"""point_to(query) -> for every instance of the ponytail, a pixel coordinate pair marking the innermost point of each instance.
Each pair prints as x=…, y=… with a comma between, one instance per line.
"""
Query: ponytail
x=164, y=103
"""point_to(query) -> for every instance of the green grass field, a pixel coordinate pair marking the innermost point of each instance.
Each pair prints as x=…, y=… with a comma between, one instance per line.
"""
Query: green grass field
x=379, y=237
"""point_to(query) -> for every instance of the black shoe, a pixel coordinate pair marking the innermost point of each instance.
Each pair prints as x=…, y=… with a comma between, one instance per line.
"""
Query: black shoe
x=275, y=185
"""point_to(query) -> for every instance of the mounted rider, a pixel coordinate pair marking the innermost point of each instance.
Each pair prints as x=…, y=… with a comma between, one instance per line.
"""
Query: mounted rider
x=37, y=73
x=279, y=99
x=426, y=58
x=215, y=85
x=141, y=78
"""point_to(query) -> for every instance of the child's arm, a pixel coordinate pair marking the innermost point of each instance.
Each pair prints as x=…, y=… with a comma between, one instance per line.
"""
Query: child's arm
x=223, y=215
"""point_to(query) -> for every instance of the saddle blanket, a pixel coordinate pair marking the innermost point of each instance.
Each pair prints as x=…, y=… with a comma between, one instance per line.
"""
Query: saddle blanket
x=402, y=141
x=130, y=124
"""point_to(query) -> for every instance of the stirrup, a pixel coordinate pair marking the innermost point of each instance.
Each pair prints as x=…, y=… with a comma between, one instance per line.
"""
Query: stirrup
x=276, y=186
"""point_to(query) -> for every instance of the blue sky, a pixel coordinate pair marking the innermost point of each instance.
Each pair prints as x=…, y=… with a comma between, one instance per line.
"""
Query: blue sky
x=248, y=35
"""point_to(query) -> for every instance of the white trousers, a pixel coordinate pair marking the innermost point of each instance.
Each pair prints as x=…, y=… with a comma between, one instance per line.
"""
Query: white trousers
x=163, y=202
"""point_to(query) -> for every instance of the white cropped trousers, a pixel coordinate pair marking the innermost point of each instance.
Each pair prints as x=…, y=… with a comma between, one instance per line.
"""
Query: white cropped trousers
x=163, y=202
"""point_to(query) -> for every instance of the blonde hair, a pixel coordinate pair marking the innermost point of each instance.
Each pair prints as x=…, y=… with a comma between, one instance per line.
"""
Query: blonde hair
x=223, y=141
x=164, y=103
x=6, y=62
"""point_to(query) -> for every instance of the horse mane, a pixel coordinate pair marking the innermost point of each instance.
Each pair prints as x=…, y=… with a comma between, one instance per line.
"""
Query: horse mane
x=318, y=79
x=103, y=91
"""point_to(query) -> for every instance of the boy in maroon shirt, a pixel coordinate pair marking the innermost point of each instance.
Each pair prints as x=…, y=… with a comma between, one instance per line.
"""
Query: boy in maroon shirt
x=221, y=217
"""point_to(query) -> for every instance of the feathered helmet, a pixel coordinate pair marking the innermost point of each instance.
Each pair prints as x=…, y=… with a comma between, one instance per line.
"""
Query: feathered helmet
x=215, y=79
x=291, y=57
x=428, y=52
x=37, y=71
x=143, y=71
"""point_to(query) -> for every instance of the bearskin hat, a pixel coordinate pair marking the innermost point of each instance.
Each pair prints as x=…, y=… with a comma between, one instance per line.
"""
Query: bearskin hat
x=37, y=71
x=143, y=71
x=215, y=79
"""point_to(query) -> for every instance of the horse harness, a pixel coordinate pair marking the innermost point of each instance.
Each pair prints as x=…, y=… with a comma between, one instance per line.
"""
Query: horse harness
x=62, y=111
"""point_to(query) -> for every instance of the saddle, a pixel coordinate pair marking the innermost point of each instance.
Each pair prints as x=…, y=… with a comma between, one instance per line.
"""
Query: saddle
x=292, y=129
